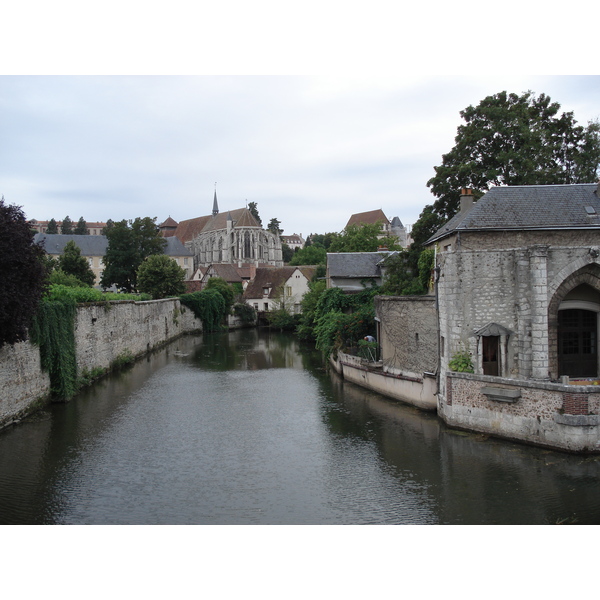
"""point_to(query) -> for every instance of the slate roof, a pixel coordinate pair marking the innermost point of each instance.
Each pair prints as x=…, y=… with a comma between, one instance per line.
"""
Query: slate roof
x=370, y=217
x=90, y=245
x=175, y=247
x=529, y=207
x=230, y=273
x=96, y=245
x=355, y=264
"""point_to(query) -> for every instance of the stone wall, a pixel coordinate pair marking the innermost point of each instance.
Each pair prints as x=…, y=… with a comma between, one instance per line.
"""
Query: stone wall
x=547, y=414
x=103, y=333
x=407, y=334
x=22, y=382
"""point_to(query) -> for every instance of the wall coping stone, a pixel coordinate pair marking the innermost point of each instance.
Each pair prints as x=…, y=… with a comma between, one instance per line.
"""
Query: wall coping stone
x=528, y=383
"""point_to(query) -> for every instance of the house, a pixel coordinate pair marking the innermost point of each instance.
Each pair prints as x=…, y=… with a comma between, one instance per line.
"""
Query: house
x=516, y=301
x=93, y=248
x=393, y=228
x=274, y=288
x=232, y=274
x=234, y=238
x=353, y=271
x=294, y=241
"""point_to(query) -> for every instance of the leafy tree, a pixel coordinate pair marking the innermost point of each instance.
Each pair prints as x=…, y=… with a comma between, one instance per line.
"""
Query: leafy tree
x=252, y=207
x=403, y=277
x=52, y=227
x=59, y=277
x=363, y=238
x=225, y=289
x=310, y=255
x=109, y=225
x=72, y=263
x=274, y=226
x=129, y=243
x=322, y=240
x=161, y=276
x=22, y=273
x=81, y=228
x=286, y=252
x=67, y=226
x=509, y=139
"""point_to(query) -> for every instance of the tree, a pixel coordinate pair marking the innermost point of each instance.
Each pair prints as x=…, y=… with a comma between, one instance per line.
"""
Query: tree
x=363, y=238
x=81, y=228
x=160, y=276
x=225, y=289
x=254, y=211
x=323, y=240
x=52, y=227
x=67, y=226
x=514, y=140
x=129, y=243
x=274, y=226
x=286, y=253
x=72, y=263
x=310, y=255
x=22, y=273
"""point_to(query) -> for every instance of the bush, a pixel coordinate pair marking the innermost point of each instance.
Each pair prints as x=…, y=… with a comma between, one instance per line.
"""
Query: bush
x=245, y=313
x=208, y=306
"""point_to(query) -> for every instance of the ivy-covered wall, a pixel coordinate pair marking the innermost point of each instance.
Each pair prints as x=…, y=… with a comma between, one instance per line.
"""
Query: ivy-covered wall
x=105, y=335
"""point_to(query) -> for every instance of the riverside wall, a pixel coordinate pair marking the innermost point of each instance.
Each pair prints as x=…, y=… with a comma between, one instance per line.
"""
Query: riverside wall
x=104, y=334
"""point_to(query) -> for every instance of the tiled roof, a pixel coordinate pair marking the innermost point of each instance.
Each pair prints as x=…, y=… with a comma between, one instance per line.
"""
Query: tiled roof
x=272, y=278
x=241, y=217
x=189, y=229
x=230, y=273
x=355, y=264
x=90, y=245
x=528, y=207
x=369, y=217
x=170, y=222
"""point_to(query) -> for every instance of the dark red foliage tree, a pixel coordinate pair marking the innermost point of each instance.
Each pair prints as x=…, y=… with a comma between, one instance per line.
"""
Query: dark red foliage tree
x=22, y=274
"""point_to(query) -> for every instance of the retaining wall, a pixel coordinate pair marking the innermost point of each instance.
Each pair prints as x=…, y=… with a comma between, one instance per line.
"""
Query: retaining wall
x=103, y=333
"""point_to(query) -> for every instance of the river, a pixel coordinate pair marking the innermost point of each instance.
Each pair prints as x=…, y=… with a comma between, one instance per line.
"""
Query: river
x=249, y=427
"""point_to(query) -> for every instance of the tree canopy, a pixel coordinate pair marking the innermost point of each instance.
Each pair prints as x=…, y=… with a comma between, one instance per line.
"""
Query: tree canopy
x=129, y=243
x=161, y=277
x=81, y=228
x=52, y=227
x=363, y=238
x=310, y=255
x=252, y=207
x=22, y=273
x=72, y=263
x=274, y=226
x=67, y=226
x=509, y=139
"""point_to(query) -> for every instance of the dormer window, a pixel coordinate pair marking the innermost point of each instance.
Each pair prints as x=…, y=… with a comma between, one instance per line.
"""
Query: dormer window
x=265, y=291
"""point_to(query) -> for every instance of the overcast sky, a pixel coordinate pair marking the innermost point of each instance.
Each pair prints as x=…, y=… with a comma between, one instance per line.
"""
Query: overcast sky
x=333, y=138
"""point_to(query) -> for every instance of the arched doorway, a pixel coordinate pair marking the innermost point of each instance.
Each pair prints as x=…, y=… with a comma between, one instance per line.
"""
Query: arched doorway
x=578, y=332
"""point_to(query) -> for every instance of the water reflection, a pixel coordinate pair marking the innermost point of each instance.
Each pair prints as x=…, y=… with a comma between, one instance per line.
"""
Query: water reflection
x=249, y=427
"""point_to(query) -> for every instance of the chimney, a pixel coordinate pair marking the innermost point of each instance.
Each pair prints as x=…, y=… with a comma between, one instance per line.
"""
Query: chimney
x=466, y=199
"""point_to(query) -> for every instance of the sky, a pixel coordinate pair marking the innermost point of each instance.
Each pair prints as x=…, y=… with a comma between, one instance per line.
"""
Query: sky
x=314, y=115
x=308, y=150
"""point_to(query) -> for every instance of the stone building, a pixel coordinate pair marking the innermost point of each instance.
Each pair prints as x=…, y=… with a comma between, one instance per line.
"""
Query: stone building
x=517, y=294
x=234, y=237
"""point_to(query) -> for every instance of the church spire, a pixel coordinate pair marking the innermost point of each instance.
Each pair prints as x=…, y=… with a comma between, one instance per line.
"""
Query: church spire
x=215, y=205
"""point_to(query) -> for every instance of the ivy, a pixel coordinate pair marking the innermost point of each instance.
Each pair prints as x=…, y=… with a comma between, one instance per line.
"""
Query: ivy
x=209, y=306
x=245, y=313
x=53, y=330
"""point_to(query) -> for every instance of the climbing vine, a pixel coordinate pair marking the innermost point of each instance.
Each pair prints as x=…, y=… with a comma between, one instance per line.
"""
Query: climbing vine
x=209, y=306
x=53, y=330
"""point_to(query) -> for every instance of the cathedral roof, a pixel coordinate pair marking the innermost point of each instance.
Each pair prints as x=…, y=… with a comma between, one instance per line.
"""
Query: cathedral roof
x=241, y=217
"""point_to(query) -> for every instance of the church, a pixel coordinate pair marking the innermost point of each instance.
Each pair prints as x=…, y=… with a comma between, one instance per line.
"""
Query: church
x=235, y=238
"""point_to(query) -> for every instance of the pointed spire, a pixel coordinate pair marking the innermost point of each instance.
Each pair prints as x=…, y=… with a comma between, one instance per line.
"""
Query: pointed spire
x=215, y=205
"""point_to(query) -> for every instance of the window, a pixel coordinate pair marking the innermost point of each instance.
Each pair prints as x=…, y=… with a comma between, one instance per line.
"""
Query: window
x=288, y=291
x=185, y=261
x=256, y=306
x=265, y=291
x=266, y=306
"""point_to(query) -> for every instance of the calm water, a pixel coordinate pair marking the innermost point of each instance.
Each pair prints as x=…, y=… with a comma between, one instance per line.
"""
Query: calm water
x=249, y=428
